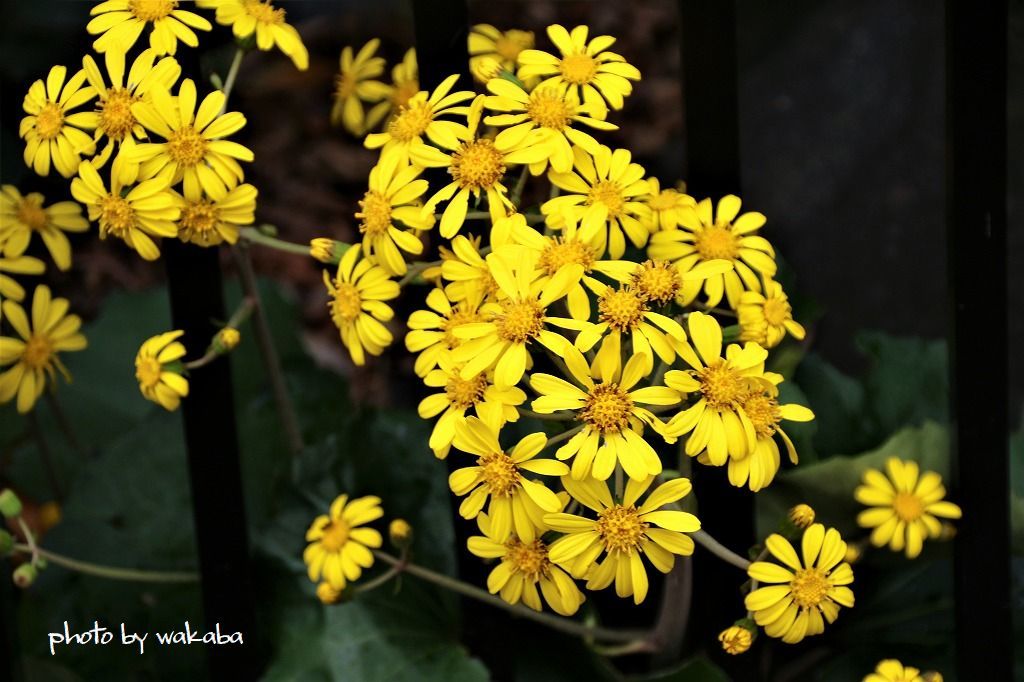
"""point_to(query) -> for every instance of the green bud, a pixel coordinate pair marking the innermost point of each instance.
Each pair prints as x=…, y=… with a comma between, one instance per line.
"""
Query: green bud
x=6, y=543
x=25, y=575
x=10, y=505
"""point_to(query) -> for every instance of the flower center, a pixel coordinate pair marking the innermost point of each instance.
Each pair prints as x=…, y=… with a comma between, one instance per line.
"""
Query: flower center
x=38, y=352
x=717, y=242
x=907, y=506
x=500, y=473
x=521, y=321
x=777, y=311
x=147, y=371
x=264, y=12
x=721, y=385
x=477, y=165
x=186, y=146
x=465, y=393
x=530, y=558
x=201, y=216
x=548, y=110
x=622, y=309
x=458, y=316
x=151, y=10
x=809, y=587
x=116, y=118
x=763, y=412
x=411, y=122
x=508, y=47
x=346, y=84
x=375, y=213
x=49, y=121
x=560, y=252
x=664, y=200
x=657, y=281
x=578, y=69
x=31, y=213
x=347, y=302
x=607, y=193
x=621, y=528
x=116, y=215
x=607, y=408
x=335, y=536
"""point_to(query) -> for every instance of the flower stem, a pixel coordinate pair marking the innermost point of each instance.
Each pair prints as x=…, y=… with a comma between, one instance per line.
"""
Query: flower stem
x=553, y=417
x=415, y=270
x=559, y=623
x=110, y=572
x=719, y=550
x=565, y=435
x=252, y=234
x=229, y=82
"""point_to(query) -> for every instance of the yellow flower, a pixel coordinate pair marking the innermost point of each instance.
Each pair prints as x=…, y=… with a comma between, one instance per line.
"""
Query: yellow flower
x=736, y=640
x=246, y=17
x=802, y=595
x=658, y=282
x=465, y=267
x=19, y=265
x=586, y=67
x=718, y=421
x=519, y=319
x=51, y=131
x=394, y=195
x=404, y=86
x=702, y=237
x=216, y=217
x=523, y=567
x=608, y=407
x=766, y=318
x=25, y=215
x=622, y=532
x=115, y=119
x=891, y=670
x=194, y=147
x=494, y=405
x=801, y=515
x=357, y=306
x=516, y=502
x=119, y=23
x=356, y=85
x=158, y=370
x=490, y=47
x=420, y=116
x=339, y=548
x=605, y=193
x=430, y=331
x=548, y=110
x=35, y=356
x=904, y=506
x=147, y=210
x=477, y=166
x=665, y=207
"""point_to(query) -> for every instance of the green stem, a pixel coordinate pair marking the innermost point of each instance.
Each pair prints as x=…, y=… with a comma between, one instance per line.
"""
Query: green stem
x=517, y=191
x=553, y=417
x=565, y=435
x=110, y=572
x=416, y=269
x=251, y=234
x=229, y=82
x=240, y=315
x=702, y=538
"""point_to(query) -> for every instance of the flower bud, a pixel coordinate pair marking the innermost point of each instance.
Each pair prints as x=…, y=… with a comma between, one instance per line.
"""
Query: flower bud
x=801, y=516
x=10, y=505
x=400, y=533
x=6, y=543
x=948, y=531
x=931, y=676
x=853, y=553
x=25, y=575
x=327, y=594
x=226, y=340
x=328, y=251
x=738, y=638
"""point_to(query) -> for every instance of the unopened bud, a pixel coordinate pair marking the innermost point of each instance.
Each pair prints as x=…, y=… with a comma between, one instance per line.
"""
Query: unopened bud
x=328, y=251
x=400, y=533
x=25, y=575
x=931, y=676
x=10, y=505
x=226, y=340
x=738, y=638
x=6, y=543
x=327, y=594
x=948, y=531
x=853, y=554
x=801, y=516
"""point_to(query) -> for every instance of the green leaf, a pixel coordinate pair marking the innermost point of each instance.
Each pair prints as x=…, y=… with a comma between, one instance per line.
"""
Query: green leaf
x=697, y=669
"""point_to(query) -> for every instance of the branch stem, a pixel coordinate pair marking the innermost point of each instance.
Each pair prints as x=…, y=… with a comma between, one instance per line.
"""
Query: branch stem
x=240, y=315
x=252, y=234
x=702, y=538
x=110, y=572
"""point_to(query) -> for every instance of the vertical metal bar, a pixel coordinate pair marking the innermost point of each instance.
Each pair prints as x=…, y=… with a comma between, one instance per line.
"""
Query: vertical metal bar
x=218, y=505
x=976, y=72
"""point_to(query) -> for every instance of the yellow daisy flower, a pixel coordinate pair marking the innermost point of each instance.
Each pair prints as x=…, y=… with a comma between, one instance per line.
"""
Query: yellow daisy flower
x=405, y=84
x=587, y=67
x=523, y=567
x=717, y=422
x=217, y=217
x=25, y=215
x=421, y=116
x=736, y=640
x=891, y=670
x=609, y=407
x=494, y=405
x=905, y=506
x=622, y=532
x=766, y=318
x=358, y=292
x=393, y=196
x=246, y=17
x=468, y=273
x=605, y=192
x=665, y=207
x=658, y=282
x=148, y=210
x=704, y=237
x=490, y=47
x=477, y=166
x=116, y=121
x=119, y=23
x=519, y=319
x=430, y=331
x=19, y=265
x=35, y=356
x=548, y=110
x=356, y=85
x=194, y=146
x=339, y=547
x=51, y=132
x=516, y=502
x=158, y=370
x=802, y=595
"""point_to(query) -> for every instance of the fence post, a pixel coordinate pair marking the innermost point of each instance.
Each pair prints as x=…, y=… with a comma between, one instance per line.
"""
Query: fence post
x=976, y=72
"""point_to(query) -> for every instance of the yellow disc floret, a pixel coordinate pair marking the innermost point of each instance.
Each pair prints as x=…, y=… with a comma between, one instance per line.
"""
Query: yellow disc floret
x=623, y=309
x=549, y=110
x=477, y=165
x=116, y=215
x=607, y=408
x=375, y=213
x=151, y=10
x=578, y=69
x=186, y=146
x=809, y=587
x=347, y=303
x=529, y=558
x=520, y=321
x=717, y=242
x=49, y=121
x=500, y=473
x=621, y=528
x=464, y=393
x=116, y=118
x=607, y=193
x=721, y=385
x=657, y=281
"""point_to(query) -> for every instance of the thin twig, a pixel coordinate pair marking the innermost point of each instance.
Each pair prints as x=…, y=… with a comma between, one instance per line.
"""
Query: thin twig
x=30, y=540
x=701, y=537
x=110, y=572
